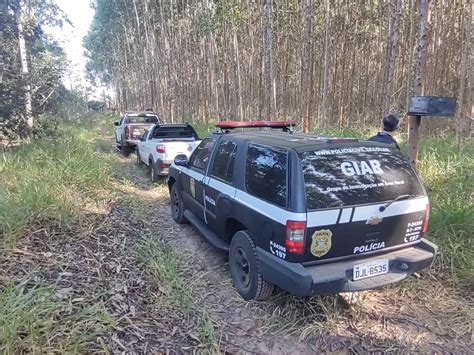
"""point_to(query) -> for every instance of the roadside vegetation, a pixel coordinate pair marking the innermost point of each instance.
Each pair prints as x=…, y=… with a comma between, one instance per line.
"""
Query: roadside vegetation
x=69, y=227
x=50, y=188
x=50, y=182
x=58, y=197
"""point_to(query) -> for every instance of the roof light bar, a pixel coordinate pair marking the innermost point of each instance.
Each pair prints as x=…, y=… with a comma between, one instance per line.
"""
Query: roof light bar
x=254, y=124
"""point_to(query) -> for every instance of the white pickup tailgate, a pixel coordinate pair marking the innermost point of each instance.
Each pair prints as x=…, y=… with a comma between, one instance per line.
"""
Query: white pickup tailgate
x=173, y=148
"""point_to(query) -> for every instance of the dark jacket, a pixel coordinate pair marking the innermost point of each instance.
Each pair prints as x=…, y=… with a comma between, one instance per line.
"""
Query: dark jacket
x=384, y=137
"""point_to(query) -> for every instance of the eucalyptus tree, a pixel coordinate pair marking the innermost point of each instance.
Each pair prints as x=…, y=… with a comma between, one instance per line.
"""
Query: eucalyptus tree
x=32, y=63
x=320, y=62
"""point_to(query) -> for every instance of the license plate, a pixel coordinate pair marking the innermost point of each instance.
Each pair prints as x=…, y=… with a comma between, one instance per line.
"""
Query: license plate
x=374, y=268
x=136, y=132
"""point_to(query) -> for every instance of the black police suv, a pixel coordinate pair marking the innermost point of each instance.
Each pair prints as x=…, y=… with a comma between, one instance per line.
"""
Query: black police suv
x=312, y=215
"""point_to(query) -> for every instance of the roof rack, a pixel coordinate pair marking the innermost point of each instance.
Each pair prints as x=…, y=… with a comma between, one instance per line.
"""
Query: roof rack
x=286, y=126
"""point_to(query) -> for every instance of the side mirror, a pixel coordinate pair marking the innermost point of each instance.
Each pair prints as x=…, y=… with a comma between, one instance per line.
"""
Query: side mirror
x=181, y=160
x=116, y=124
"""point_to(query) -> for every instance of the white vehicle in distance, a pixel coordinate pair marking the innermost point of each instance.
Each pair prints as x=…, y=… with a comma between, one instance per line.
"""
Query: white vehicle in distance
x=131, y=127
x=161, y=143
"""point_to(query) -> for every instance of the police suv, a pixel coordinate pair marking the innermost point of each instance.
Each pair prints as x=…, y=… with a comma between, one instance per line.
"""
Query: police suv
x=312, y=215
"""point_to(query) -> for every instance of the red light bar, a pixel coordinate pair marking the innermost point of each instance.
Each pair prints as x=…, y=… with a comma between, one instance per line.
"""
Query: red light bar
x=254, y=124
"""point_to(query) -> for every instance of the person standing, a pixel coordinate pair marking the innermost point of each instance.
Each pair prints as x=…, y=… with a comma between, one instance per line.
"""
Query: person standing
x=389, y=126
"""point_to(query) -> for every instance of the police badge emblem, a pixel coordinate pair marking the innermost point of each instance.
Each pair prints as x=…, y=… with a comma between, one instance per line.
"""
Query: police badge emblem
x=192, y=187
x=321, y=243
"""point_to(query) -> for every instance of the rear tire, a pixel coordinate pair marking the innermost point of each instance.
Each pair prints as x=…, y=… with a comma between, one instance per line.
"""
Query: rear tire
x=245, y=268
x=177, y=205
x=125, y=149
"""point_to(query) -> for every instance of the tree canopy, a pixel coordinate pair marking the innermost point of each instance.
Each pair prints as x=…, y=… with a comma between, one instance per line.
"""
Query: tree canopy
x=43, y=57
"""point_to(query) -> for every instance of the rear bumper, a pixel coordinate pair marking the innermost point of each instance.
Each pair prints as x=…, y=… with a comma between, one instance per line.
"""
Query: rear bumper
x=132, y=142
x=160, y=169
x=337, y=276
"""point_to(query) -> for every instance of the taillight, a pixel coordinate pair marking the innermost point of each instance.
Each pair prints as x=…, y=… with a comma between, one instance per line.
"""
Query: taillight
x=295, y=232
x=425, y=219
x=127, y=131
x=160, y=148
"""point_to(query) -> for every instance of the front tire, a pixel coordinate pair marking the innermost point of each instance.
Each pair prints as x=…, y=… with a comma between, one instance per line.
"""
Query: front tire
x=177, y=205
x=245, y=268
x=139, y=161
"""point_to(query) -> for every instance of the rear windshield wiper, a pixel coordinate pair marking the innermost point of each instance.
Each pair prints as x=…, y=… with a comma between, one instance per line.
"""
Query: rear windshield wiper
x=398, y=198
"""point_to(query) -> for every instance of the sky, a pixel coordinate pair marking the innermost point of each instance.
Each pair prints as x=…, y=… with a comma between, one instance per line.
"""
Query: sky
x=70, y=37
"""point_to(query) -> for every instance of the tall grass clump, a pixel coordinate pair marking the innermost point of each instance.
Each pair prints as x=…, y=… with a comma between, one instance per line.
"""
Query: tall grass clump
x=50, y=181
x=447, y=169
x=36, y=321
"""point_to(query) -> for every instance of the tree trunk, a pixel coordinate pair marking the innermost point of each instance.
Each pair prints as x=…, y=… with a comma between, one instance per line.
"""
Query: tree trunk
x=462, y=117
x=395, y=12
x=24, y=71
x=239, y=76
x=415, y=121
x=308, y=66
x=270, y=70
x=326, y=64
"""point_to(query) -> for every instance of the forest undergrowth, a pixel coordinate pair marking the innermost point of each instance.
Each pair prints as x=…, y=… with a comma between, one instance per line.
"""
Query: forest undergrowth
x=69, y=283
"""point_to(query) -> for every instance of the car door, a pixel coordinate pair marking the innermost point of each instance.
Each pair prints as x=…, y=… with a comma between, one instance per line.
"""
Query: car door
x=118, y=131
x=143, y=146
x=193, y=177
x=120, y=128
x=218, y=185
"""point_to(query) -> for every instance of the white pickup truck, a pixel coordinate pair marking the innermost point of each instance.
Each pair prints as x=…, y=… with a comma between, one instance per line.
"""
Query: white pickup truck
x=161, y=143
x=131, y=127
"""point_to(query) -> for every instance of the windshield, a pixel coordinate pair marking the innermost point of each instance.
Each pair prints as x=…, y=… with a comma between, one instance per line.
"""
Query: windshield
x=356, y=175
x=142, y=119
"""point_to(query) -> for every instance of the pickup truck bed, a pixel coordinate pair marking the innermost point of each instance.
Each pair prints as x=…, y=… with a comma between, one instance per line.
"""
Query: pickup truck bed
x=131, y=128
x=162, y=143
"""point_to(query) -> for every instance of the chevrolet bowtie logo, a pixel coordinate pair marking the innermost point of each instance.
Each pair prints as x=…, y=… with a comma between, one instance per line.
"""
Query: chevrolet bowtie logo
x=374, y=220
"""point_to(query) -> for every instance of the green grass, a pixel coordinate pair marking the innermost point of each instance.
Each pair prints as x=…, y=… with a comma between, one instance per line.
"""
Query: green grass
x=160, y=260
x=51, y=185
x=166, y=267
x=35, y=320
x=50, y=181
x=448, y=172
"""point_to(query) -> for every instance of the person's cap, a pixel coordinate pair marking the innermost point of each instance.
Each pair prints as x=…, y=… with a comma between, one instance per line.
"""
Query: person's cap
x=390, y=122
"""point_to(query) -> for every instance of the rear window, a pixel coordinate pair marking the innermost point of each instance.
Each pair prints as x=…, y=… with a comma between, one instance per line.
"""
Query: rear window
x=265, y=174
x=356, y=175
x=142, y=119
x=174, y=132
